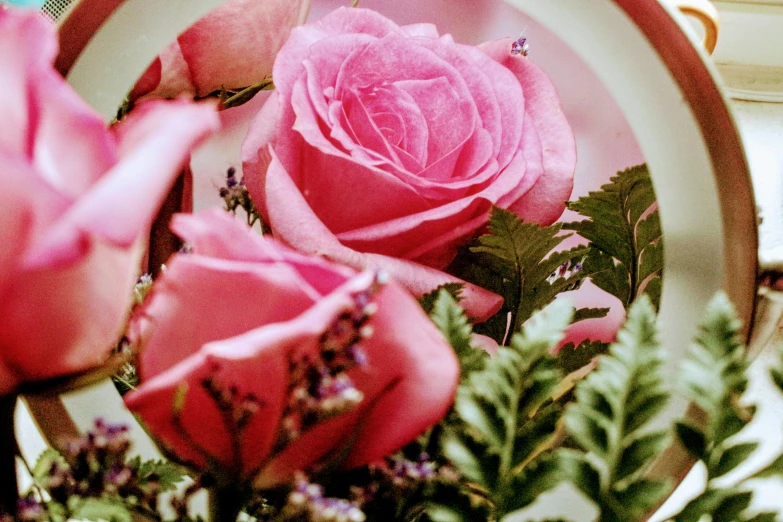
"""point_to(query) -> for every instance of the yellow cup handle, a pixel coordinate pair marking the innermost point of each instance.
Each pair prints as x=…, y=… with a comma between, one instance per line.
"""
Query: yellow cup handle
x=706, y=13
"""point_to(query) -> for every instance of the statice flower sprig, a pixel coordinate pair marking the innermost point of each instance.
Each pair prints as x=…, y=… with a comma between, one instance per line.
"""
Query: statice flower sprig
x=320, y=387
x=93, y=478
x=236, y=196
x=307, y=502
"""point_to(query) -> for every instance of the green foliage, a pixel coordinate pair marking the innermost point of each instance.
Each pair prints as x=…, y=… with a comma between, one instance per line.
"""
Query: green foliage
x=454, y=325
x=165, y=473
x=607, y=422
x=626, y=257
x=776, y=372
x=235, y=98
x=44, y=463
x=97, y=509
x=714, y=377
x=515, y=259
x=572, y=358
x=84, y=487
x=505, y=415
x=427, y=301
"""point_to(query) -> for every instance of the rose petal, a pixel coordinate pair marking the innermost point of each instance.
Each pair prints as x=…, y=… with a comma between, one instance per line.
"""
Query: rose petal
x=174, y=77
x=288, y=65
x=292, y=219
x=149, y=80
x=67, y=318
x=153, y=143
x=396, y=377
x=193, y=280
x=423, y=30
x=546, y=201
x=71, y=166
x=17, y=214
x=451, y=120
x=218, y=57
x=215, y=234
x=416, y=235
x=27, y=46
x=602, y=329
x=43, y=110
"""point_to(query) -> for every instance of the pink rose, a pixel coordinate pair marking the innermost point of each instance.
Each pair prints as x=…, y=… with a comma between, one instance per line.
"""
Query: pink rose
x=232, y=47
x=247, y=345
x=75, y=199
x=386, y=146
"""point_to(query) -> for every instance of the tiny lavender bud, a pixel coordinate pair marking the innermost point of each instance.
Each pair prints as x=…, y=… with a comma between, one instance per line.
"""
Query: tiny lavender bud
x=29, y=509
x=320, y=385
x=306, y=502
x=520, y=47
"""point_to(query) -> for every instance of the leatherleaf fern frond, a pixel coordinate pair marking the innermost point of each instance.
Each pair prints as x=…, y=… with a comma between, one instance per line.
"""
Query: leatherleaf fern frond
x=518, y=261
x=505, y=416
x=714, y=377
x=608, y=418
x=624, y=231
x=453, y=323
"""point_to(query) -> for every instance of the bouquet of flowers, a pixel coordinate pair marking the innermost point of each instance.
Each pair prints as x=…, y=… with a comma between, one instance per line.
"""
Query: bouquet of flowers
x=388, y=334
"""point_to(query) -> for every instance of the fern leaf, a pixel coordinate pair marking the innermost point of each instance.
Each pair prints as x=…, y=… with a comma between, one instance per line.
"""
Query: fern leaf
x=607, y=421
x=427, y=301
x=714, y=377
x=451, y=320
x=516, y=260
x=625, y=234
x=501, y=410
x=571, y=358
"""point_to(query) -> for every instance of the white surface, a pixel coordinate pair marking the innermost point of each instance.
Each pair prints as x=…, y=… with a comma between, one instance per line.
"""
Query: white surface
x=761, y=127
x=120, y=52
x=750, y=33
x=750, y=49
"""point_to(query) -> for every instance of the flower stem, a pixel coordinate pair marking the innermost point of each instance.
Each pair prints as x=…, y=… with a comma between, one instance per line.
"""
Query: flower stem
x=9, y=490
x=225, y=503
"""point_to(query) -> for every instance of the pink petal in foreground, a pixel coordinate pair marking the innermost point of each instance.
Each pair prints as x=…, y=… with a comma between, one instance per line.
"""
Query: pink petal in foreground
x=71, y=166
x=27, y=47
x=406, y=366
x=67, y=318
x=17, y=215
x=122, y=205
x=195, y=287
x=214, y=233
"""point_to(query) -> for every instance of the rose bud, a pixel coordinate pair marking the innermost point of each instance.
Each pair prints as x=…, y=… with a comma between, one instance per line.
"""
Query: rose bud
x=76, y=201
x=232, y=47
x=387, y=146
x=258, y=362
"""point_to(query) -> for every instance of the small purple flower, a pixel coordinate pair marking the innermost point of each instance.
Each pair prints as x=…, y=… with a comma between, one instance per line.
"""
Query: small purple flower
x=520, y=47
x=29, y=509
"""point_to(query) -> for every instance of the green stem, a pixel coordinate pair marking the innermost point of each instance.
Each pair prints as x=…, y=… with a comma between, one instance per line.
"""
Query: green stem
x=9, y=489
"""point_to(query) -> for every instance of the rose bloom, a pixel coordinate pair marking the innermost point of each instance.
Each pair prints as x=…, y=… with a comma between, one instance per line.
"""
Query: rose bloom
x=75, y=201
x=387, y=146
x=232, y=47
x=247, y=346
